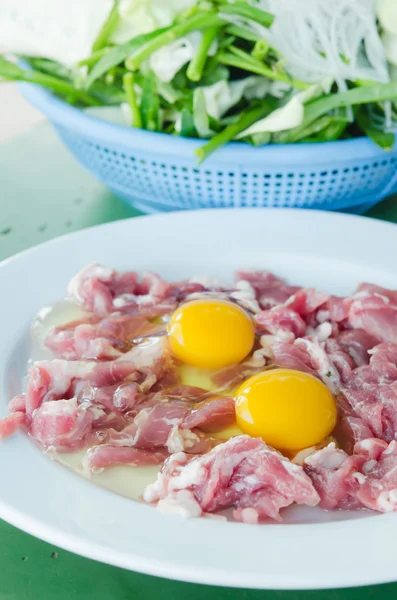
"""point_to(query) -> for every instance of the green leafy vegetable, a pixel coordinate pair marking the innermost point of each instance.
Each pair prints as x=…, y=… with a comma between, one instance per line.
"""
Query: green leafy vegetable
x=215, y=71
x=383, y=139
x=107, y=29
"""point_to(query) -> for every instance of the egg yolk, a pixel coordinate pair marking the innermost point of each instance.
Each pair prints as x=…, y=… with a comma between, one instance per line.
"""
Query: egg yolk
x=210, y=333
x=288, y=409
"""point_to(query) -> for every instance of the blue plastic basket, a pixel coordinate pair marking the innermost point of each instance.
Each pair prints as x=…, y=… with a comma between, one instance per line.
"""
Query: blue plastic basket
x=159, y=172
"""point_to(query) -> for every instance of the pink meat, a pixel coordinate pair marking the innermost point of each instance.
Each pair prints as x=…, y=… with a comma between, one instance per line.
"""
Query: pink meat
x=365, y=405
x=9, y=425
x=338, y=357
x=367, y=479
x=376, y=314
x=109, y=373
x=357, y=343
x=306, y=301
x=182, y=289
x=101, y=457
x=104, y=340
x=90, y=288
x=63, y=424
x=371, y=393
x=17, y=404
x=102, y=290
x=383, y=362
x=280, y=319
x=371, y=288
x=270, y=289
x=211, y=415
x=52, y=380
x=350, y=430
x=187, y=393
x=151, y=427
x=242, y=472
x=124, y=397
x=108, y=420
x=332, y=474
x=378, y=488
x=292, y=356
x=127, y=396
x=307, y=356
x=336, y=309
x=124, y=283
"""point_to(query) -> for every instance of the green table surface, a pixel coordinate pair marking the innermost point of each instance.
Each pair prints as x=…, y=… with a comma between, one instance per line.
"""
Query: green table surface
x=44, y=194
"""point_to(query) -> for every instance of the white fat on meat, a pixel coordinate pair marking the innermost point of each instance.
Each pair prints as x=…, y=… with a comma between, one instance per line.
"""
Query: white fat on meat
x=329, y=457
x=241, y=473
x=180, y=440
x=245, y=296
x=320, y=333
x=206, y=280
x=93, y=271
x=322, y=363
x=146, y=354
x=182, y=504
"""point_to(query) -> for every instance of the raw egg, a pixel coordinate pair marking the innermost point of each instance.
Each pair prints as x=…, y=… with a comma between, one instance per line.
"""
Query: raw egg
x=288, y=409
x=211, y=333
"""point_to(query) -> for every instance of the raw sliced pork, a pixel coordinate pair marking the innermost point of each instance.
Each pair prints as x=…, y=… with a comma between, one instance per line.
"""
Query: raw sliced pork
x=243, y=473
x=367, y=479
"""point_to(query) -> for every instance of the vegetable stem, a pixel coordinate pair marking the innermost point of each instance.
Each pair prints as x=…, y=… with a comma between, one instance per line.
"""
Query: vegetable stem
x=316, y=108
x=244, y=34
x=91, y=60
x=247, y=119
x=242, y=9
x=12, y=72
x=107, y=29
x=240, y=59
x=59, y=86
x=260, y=50
x=202, y=20
x=196, y=67
x=129, y=86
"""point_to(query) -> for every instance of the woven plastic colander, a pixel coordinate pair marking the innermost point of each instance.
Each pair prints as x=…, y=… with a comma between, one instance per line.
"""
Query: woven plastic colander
x=159, y=172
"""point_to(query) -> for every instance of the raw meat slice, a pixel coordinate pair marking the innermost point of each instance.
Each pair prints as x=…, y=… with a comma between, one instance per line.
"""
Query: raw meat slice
x=376, y=314
x=306, y=301
x=308, y=356
x=371, y=288
x=338, y=357
x=10, y=424
x=211, y=415
x=151, y=427
x=332, y=472
x=367, y=479
x=102, y=290
x=63, y=425
x=281, y=319
x=17, y=404
x=270, y=289
x=357, y=343
x=90, y=289
x=101, y=457
x=350, y=430
x=242, y=472
x=383, y=362
x=104, y=340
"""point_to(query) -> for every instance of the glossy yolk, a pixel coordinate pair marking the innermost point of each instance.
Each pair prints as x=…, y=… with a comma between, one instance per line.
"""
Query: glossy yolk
x=211, y=334
x=288, y=409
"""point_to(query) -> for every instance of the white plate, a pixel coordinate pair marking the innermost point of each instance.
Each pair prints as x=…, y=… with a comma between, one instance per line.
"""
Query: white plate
x=331, y=251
